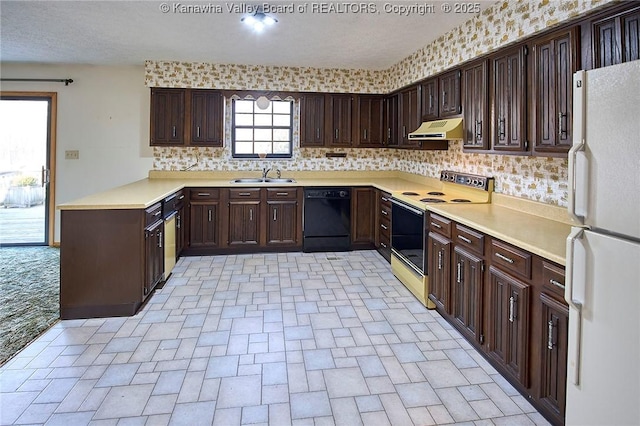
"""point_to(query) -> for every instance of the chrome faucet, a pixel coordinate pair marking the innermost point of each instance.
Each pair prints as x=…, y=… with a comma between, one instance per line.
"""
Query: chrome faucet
x=265, y=172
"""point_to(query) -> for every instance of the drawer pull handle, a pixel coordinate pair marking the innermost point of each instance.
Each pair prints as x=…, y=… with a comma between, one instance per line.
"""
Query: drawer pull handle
x=465, y=239
x=556, y=283
x=244, y=194
x=505, y=258
x=435, y=225
x=282, y=194
x=385, y=199
x=384, y=212
x=383, y=226
x=204, y=194
x=181, y=197
x=157, y=213
x=383, y=245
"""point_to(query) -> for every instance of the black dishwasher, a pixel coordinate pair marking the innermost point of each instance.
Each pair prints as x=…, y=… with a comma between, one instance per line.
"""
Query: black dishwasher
x=327, y=219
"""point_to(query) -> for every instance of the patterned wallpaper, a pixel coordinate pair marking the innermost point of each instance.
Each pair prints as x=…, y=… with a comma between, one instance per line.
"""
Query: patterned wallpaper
x=536, y=178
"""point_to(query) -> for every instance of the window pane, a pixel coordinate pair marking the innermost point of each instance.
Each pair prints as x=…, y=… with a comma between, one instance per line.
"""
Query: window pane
x=281, y=148
x=281, y=134
x=262, y=135
x=244, y=134
x=244, y=119
x=282, y=120
x=263, y=147
x=263, y=120
x=244, y=106
x=281, y=107
x=244, y=147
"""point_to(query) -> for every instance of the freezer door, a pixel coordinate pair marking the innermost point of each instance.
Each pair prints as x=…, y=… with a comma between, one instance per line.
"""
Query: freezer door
x=604, y=163
x=605, y=338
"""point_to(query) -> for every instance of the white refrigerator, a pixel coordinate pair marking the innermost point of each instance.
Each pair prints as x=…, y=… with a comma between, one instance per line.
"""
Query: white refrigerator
x=603, y=251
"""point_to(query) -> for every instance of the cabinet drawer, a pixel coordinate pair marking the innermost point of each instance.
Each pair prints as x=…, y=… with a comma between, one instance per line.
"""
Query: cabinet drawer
x=470, y=239
x=204, y=194
x=440, y=225
x=173, y=202
x=553, y=278
x=244, y=194
x=385, y=242
x=385, y=228
x=385, y=200
x=153, y=214
x=281, y=193
x=511, y=258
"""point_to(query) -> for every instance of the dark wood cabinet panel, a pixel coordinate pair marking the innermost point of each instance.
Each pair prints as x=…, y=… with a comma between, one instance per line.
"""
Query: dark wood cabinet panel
x=439, y=267
x=630, y=23
x=553, y=362
x=282, y=223
x=554, y=62
x=475, y=99
x=154, y=257
x=180, y=229
x=616, y=38
x=338, y=126
x=467, y=288
x=363, y=216
x=391, y=115
x=244, y=223
x=606, y=40
x=383, y=224
x=409, y=115
x=508, y=324
x=449, y=85
x=204, y=224
x=167, y=116
x=207, y=118
x=368, y=126
x=429, y=99
x=312, y=120
x=509, y=97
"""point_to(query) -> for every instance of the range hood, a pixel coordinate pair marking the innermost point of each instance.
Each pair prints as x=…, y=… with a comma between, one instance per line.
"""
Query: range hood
x=438, y=130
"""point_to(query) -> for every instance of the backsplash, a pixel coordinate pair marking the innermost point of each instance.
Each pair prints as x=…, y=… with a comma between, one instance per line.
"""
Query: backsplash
x=536, y=178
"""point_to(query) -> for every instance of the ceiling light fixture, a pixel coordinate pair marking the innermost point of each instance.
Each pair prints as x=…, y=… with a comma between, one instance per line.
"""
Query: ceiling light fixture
x=259, y=20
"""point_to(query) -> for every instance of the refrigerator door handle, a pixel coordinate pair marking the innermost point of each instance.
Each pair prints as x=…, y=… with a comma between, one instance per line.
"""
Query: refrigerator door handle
x=575, y=320
x=573, y=156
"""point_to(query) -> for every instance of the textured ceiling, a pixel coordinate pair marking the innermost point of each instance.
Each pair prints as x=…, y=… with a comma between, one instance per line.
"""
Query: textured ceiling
x=129, y=32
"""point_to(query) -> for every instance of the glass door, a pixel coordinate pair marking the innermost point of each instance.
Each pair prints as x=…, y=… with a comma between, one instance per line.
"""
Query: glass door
x=25, y=139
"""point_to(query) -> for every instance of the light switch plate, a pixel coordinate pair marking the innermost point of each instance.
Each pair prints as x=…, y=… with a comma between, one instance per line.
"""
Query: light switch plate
x=72, y=155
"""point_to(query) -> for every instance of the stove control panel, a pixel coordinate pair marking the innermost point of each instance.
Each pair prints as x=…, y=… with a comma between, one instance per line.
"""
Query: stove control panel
x=474, y=181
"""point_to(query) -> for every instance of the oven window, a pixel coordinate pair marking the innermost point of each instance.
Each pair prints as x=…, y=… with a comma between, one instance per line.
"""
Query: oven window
x=407, y=235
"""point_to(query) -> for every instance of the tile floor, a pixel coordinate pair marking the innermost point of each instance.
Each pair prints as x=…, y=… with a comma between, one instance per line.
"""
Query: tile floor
x=296, y=338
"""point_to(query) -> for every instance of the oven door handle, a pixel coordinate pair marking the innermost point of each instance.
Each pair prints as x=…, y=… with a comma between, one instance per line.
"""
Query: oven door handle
x=407, y=262
x=405, y=206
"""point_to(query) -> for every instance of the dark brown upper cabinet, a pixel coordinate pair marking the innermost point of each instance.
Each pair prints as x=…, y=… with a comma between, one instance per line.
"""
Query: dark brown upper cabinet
x=338, y=126
x=409, y=115
x=554, y=60
x=167, y=116
x=475, y=100
x=368, y=126
x=312, y=120
x=449, y=84
x=616, y=38
x=207, y=118
x=429, y=99
x=509, y=87
x=391, y=111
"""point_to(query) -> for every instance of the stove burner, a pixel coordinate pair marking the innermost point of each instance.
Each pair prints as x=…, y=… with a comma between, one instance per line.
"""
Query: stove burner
x=435, y=193
x=432, y=200
x=460, y=200
x=410, y=193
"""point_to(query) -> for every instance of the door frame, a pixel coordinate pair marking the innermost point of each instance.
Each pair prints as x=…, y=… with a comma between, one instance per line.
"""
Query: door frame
x=52, y=98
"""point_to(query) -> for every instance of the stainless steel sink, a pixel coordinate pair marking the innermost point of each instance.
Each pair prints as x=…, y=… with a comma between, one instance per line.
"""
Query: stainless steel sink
x=263, y=180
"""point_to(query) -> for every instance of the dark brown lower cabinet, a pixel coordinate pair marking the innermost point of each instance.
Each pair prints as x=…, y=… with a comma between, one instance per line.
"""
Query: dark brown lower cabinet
x=439, y=267
x=508, y=328
x=468, y=280
x=383, y=229
x=244, y=219
x=154, y=255
x=204, y=229
x=180, y=229
x=363, y=216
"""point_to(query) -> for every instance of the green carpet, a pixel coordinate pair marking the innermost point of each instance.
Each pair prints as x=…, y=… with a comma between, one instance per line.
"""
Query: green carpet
x=29, y=295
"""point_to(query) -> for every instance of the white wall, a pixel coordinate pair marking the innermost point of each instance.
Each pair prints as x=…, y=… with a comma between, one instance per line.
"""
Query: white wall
x=104, y=114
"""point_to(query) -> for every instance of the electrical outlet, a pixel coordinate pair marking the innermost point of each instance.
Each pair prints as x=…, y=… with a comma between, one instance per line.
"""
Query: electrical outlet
x=72, y=155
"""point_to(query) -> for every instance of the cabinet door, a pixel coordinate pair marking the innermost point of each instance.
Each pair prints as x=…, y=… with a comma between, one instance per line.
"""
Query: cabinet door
x=409, y=113
x=554, y=62
x=391, y=120
x=439, y=267
x=630, y=24
x=154, y=257
x=282, y=223
x=509, y=89
x=363, y=216
x=368, y=128
x=180, y=230
x=476, y=111
x=467, y=287
x=167, y=116
x=244, y=219
x=553, y=362
x=429, y=99
x=450, y=94
x=508, y=328
x=339, y=123
x=312, y=120
x=204, y=223
x=616, y=39
x=207, y=117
